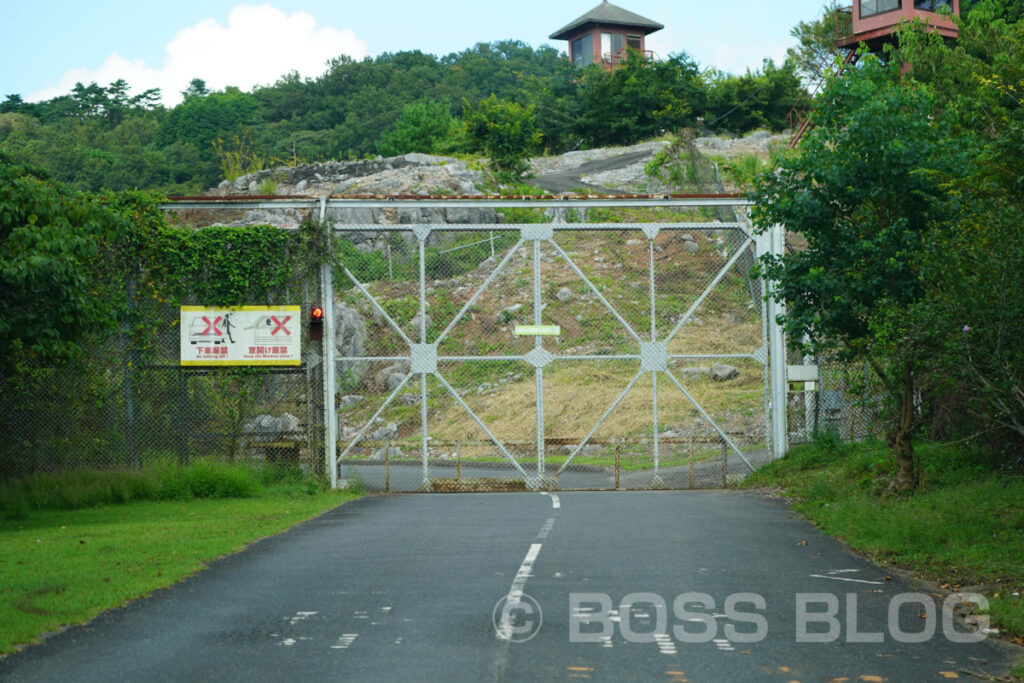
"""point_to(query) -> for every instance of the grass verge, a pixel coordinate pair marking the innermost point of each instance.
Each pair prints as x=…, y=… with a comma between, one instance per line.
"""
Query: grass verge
x=963, y=527
x=62, y=567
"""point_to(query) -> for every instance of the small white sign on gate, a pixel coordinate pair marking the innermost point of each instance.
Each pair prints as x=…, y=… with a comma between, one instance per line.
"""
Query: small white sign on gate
x=243, y=335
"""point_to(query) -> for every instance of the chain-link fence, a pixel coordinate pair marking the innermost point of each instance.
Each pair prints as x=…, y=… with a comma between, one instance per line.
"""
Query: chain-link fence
x=127, y=405
x=578, y=348
x=847, y=401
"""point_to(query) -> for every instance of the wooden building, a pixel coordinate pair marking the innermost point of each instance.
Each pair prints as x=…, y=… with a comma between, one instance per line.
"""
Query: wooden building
x=605, y=34
x=873, y=22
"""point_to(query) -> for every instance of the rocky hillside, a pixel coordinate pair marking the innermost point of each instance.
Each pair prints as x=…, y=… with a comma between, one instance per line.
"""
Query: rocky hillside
x=606, y=171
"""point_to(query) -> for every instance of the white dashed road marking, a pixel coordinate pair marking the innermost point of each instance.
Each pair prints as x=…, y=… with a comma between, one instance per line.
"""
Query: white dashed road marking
x=345, y=641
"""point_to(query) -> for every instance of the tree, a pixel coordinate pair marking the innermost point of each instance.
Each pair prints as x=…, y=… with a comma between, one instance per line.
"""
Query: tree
x=12, y=104
x=506, y=131
x=972, y=316
x=759, y=99
x=201, y=119
x=49, y=238
x=425, y=126
x=196, y=88
x=981, y=11
x=641, y=98
x=862, y=196
x=815, y=53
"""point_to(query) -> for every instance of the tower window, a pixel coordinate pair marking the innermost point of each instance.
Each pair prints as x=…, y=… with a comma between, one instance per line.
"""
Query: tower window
x=583, y=50
x=932, y=5
x=869, y=8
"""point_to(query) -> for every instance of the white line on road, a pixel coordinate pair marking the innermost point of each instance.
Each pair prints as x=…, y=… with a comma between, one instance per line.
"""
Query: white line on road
x=345, y=641
x=841, y=578
x=555, y=502
x=525, y=569
x=665, y=644
x=515, y=593
x=546, y=529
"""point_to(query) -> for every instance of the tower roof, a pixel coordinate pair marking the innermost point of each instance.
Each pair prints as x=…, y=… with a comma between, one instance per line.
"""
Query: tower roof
x=607, y=13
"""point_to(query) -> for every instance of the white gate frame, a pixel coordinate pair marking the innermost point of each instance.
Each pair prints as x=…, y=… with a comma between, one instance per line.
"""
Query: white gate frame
x=771, y=241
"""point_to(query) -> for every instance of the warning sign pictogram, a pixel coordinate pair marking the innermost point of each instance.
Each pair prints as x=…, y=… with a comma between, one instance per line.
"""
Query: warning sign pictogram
x=280, y=325
x=245, y=335
x=211, y=326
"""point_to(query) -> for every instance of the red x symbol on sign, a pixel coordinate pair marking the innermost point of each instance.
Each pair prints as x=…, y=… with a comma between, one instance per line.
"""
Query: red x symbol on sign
x=280, y=325
x=212, y=325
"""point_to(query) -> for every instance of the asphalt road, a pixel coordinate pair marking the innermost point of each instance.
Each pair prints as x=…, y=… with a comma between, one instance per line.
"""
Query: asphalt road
x=407, y=588
x=560, y=183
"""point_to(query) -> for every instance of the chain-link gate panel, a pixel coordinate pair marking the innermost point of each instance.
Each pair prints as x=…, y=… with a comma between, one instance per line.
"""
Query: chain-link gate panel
x=552, y=355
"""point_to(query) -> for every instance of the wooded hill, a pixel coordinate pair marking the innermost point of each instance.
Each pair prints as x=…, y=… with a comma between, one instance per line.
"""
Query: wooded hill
x=100, y=137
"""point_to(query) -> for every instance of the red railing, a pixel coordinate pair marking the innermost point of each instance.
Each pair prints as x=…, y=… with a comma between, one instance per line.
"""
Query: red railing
x=618, y=57
x=799, y=117
x=844, y=22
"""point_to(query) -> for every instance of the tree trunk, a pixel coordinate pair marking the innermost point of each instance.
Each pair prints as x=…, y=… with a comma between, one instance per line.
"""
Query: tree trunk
x=900, y=441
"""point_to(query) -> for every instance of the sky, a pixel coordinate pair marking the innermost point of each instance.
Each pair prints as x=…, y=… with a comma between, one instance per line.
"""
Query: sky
x=46, y=47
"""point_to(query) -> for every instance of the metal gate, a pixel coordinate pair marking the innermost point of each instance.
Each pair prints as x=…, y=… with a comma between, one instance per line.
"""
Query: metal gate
x=592, y=344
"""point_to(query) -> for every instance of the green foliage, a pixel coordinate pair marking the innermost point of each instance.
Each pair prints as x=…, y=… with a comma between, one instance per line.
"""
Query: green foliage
x=365, y=266
x=227, y=266
x=86, y=275
x=972, y=264
x=98, y=138
x=49, y=296
x=106, y=556
x=201, y=119
x=238, y=157
x=744, y=169
x=862, y=194
x=859, y=193
x=760, y=99
x=671, y=165
x=213, y=479
x=506, y=131
x=267, y=187
x=986, y=11
x=425, y=126
x=641, y=98
x=816, y=51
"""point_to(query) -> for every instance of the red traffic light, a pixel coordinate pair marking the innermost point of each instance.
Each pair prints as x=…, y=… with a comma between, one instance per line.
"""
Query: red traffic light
x=316, y=323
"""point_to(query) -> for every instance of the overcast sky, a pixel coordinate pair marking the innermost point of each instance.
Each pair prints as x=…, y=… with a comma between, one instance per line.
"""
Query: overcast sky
x=45, y=47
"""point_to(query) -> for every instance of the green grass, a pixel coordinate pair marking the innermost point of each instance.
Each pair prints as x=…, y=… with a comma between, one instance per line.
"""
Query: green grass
x=163, y=480
x=964, y=526
x=65, y=566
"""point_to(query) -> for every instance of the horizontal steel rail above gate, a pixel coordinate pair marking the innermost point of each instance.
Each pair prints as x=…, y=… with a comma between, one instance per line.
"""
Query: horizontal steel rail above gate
x=314, y=203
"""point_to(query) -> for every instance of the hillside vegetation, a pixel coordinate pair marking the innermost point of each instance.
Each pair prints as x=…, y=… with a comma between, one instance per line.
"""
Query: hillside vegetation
x=475, y=101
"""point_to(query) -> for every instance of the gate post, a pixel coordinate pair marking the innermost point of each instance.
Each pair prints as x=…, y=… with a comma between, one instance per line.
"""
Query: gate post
x=776, y=238
x=330, y=352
